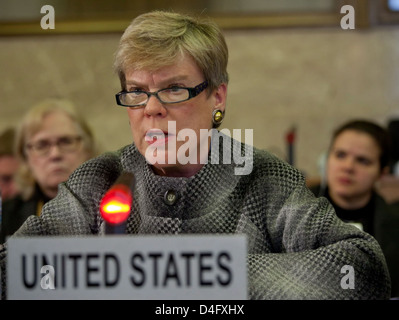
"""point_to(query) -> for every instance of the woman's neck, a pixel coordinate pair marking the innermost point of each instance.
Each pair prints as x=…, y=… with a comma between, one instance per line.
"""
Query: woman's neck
x=350, y=203
x=178, y=171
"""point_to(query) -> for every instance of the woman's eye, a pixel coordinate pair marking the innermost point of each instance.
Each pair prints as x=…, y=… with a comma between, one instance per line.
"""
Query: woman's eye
x=364, y=161
x=136, y=92
x=340, y=154
x=133, y=89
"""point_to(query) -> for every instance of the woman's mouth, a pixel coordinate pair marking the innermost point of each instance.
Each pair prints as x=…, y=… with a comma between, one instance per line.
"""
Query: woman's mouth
x=344, y=181
x=157, y=137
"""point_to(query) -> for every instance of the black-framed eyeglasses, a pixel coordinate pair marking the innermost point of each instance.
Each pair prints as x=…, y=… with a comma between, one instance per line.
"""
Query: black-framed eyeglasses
x=65, y=144
x=170, y=95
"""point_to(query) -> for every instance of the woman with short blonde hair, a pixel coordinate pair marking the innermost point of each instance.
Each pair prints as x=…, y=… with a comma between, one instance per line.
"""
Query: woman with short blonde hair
x=52, y=140
x=32, y=124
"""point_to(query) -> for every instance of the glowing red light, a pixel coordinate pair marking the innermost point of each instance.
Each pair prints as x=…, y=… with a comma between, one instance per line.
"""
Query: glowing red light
x=116, y=204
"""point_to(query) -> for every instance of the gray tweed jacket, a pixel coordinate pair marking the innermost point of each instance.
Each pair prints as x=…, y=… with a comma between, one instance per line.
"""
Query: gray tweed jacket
x=296, y=244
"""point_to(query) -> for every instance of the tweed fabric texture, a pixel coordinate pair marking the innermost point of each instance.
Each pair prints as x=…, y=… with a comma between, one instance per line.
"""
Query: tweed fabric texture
x=296, y=244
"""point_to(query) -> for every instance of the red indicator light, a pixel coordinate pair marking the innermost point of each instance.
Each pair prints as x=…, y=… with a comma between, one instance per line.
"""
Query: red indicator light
x=290, y=136
x=116, y=204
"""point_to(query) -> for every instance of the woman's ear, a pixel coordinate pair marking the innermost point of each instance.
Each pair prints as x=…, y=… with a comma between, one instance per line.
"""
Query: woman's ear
x=220, y=96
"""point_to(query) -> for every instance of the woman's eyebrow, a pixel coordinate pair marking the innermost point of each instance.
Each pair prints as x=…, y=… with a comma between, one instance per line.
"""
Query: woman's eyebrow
x=166, y=81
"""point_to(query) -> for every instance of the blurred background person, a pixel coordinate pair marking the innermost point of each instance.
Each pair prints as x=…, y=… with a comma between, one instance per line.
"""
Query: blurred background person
x=52, y=140
x=358, y=156
x=8, y=165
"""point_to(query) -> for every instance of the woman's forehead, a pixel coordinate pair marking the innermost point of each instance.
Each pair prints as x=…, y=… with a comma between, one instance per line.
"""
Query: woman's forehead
x=357, y=141
x=182, y=69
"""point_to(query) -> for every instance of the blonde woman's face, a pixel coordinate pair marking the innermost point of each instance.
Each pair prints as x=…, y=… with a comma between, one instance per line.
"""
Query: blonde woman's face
x=353, y=164
x=65, y=151
x=172, y=119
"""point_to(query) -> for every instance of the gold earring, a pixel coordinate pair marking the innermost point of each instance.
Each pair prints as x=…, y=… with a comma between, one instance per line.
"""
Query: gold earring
x=217, y=117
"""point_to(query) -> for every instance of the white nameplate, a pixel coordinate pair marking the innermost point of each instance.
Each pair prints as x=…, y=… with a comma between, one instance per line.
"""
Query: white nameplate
x=200, y=267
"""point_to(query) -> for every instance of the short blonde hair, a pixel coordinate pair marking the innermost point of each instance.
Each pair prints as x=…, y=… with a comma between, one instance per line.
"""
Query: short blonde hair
x=31, y=124
x=156, y=39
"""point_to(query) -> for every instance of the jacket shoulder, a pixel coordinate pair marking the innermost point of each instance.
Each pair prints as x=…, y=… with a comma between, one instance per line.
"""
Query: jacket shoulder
x=101, y=171
x=271, y=167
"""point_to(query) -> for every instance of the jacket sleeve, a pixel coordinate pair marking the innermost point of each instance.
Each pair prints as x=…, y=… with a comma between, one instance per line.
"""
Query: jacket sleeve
x=314, y=254
x=75, y=209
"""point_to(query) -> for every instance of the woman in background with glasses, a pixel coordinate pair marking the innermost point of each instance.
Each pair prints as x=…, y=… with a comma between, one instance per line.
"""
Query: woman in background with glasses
x=52, y=141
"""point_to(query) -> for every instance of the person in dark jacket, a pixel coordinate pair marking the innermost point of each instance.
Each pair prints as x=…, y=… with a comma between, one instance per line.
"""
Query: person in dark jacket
x=358, y=156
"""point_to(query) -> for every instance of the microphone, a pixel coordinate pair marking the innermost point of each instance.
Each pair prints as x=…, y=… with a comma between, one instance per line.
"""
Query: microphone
x=116, y=204
x=290, y=138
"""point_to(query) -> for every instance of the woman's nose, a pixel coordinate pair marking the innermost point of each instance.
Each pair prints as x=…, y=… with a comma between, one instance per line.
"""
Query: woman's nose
x=348, y=164
x=154, y=107
x=54, y=150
